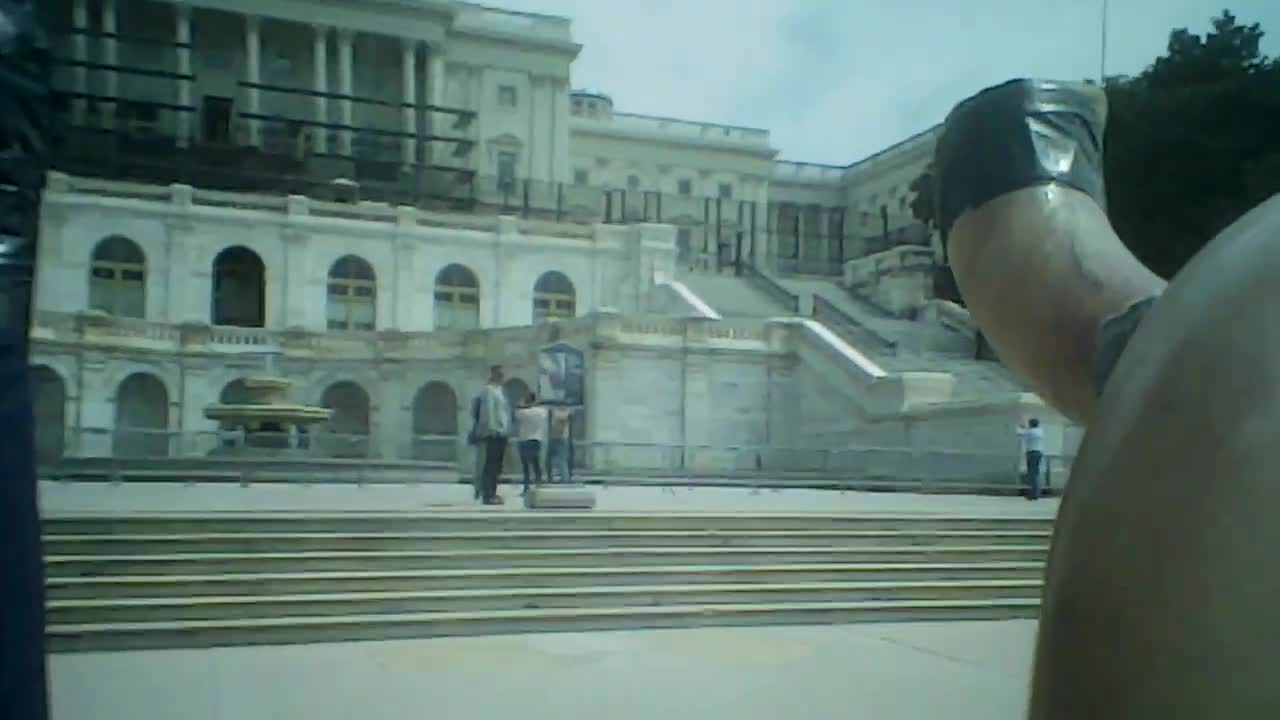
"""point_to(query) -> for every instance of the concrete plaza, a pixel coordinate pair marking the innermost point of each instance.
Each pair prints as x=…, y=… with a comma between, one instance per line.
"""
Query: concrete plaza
x=886, y=671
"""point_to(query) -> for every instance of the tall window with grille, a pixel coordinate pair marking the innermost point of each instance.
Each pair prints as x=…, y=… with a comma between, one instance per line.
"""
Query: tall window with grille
x=507, y=172
x=457, y=303
x=553, y=297
x=118, y=278
x=352, y=295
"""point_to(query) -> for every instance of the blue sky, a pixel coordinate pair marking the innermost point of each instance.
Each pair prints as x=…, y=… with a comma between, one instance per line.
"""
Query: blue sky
x=836, y=80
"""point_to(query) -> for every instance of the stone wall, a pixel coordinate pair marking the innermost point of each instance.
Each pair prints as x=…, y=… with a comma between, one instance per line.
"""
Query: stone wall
x=663, y=393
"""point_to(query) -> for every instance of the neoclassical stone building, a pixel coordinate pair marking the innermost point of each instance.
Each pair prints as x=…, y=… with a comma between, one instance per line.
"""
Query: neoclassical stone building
x=379, y=199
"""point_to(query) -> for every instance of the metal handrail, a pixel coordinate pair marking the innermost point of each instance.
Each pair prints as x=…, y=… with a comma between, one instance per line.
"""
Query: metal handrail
x=846, y=326
x=771, y=287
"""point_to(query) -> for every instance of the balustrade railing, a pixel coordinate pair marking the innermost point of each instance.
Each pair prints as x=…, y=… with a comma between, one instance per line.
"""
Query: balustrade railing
x=142, y=455
x=849, y=329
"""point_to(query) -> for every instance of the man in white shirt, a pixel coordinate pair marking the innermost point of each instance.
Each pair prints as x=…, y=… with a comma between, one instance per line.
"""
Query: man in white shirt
x=531, y=432
x=1033, y=444
x=492, y=431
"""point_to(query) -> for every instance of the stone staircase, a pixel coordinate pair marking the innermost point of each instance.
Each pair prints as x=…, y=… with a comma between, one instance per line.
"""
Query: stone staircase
x=733, y=297
x=182, y=581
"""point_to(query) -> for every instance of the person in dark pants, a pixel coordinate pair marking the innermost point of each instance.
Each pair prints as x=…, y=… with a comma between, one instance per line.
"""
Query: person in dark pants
x=473, y=442
x=1033, y=443
x=559, y=445
x=531, y=429
x=492, y=431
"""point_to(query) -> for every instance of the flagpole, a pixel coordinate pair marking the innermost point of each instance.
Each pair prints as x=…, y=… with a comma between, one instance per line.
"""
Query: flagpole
x=1102, y=56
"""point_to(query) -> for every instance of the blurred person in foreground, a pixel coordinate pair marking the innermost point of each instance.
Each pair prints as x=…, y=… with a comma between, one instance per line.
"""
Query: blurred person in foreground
x=25, y=141
x=1160, y=593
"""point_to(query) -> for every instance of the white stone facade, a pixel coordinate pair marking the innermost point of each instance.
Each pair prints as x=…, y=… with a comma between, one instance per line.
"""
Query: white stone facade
x=500, y=210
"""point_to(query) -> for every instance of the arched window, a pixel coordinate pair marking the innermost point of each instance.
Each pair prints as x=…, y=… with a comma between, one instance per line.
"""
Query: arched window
x=118, y=278
x=435, y=422
x=553, y=297
x=349, y=423
x=457, y=299
x=239, y=288
x=352, y=294
x=50, y=413
x=142, y=417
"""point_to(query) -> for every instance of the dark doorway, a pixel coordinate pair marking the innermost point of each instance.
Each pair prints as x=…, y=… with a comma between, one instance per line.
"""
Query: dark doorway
x=216, y=119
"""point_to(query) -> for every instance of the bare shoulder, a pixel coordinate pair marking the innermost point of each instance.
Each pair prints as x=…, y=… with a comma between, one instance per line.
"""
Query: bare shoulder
x=1161, y=591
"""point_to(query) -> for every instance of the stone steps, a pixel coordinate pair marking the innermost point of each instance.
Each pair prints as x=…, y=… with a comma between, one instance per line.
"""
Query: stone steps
x=527, y=541
x=296, y=630
x=409, y=560
x=338, y=581
x=511, y=521
x=229, y=579
x=235, y=607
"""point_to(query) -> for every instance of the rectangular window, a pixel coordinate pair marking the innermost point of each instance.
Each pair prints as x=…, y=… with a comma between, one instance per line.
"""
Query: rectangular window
x=580, y=177
x=685, y=187
x=726, y=191
x=507, y=96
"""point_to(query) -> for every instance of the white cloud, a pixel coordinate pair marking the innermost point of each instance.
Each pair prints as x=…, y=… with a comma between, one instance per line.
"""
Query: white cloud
x=838, y=80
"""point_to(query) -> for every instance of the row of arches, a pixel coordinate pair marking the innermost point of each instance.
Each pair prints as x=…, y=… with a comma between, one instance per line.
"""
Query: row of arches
x=142, y=427
x=118, y=276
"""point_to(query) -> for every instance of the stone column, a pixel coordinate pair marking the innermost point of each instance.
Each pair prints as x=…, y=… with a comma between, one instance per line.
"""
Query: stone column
x=408, y=76
x=801, y=235
x=253, y=74
x=80, y=53
x=182, y=34
x=539, y=164
x=762, y=245
x=436, y=122
x=345, y=86
x=435, y=87
x=560, y=131
x=320, y=83
x=110, y=56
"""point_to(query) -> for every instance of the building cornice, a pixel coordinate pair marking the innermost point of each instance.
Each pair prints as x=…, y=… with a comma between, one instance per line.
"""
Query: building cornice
x=607, y=131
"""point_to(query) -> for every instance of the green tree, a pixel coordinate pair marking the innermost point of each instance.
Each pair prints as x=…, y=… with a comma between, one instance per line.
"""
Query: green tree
x=1190, y=142
x=1189, y=146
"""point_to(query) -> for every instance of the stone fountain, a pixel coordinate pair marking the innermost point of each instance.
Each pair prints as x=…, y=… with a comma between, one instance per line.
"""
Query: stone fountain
x=265, y=423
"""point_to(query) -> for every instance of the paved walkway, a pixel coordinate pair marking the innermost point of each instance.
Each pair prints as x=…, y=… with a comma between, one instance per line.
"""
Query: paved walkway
x=67, y=497
x=961, y=670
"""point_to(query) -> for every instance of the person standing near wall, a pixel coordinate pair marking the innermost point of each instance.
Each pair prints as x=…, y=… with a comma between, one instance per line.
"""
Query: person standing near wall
x=531, y=431
x=477, y=448
x=1033, y=445
x=492, y=430
x=559, y=450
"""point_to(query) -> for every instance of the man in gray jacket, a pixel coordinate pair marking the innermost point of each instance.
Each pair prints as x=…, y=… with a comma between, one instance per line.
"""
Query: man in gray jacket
x=492, y=431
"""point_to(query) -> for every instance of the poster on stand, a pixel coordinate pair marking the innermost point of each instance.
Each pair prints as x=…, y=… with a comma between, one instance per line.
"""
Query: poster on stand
x=561, y=375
